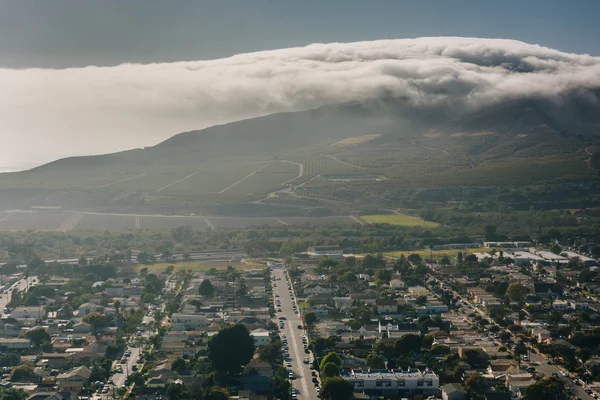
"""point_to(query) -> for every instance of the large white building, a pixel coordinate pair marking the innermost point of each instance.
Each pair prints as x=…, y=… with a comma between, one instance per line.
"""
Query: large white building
x=395, y=382
x=188, y=322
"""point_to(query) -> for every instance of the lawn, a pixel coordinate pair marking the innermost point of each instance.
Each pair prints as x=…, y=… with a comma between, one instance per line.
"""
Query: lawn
x=199, y=266
x=398, y=219
x=436, y=254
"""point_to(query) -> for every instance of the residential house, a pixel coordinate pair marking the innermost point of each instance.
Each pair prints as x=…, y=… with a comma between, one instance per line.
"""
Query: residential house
x=318, y=289
x=342, y=302
x=261, y=337
x=561, y=305
x=386, y=306
x=74, y=380
x=157, y=382
x=453, y=391
x=397, y=284
x=82, y=327
x=35, y=312
x=15, y=343
x=188, y=322
x=87, y=308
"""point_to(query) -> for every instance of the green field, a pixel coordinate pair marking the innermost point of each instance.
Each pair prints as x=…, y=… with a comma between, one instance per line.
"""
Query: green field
x=398, y=219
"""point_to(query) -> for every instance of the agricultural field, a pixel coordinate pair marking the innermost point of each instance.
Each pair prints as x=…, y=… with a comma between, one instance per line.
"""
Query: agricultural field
x=155, y=222
x=105, y=222
x=200, y=266
x=340, y=220
x=66, y=221
x=398, y=219
x=241, y=222
x=437, y=254
x=24, y=221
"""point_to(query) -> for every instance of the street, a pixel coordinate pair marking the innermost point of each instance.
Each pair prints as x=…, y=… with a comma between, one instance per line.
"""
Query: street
x=21, y=285
x=303, y=382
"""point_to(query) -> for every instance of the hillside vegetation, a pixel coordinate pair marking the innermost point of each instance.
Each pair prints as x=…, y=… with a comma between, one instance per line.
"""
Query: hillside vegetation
x=342, y=158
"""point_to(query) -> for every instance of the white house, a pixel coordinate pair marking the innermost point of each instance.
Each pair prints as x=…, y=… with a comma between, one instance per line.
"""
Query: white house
x=318, y=289
x=418, y=291
x=560, y=305
x=261, y=337
x=396, y=382
x=87, y=308
x=397, y=284
x=188, y=322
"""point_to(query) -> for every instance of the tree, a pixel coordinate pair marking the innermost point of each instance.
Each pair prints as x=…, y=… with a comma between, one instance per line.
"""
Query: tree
x=96, y=320
x=337, y=389
x=13, y=394
x=329, y=370
x=421, y=300
x=231, y=349
x=217, y=393
x=546, y=388
x=271, y=352
x=408, y=343
x=206, y=288
x=117, y=305
x=519, y=351
x=476, y=358
x=37, y=336
x=178, y=364
x=489, y=232
x=476, y=386
x=556, y=248
x=137, y=378
x=310, y=318
x=375, y=361
x=187, y=257
x=516, y=292
x=331, y=358
x=22, y=372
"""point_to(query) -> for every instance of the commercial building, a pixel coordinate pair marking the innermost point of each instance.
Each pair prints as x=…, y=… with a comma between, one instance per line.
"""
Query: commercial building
x=394, y=382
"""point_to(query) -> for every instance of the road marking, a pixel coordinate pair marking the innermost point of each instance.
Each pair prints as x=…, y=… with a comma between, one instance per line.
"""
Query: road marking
x=210, y=225
x=137, y=222
x=70, y=222
x=123, y=180
x=177, y=181
x=244, y=178
x=5, y=218
x=282, y=222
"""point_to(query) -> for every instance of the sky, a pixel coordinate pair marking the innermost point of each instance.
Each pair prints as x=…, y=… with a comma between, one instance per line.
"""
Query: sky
x=67, y=33
x=148, y=80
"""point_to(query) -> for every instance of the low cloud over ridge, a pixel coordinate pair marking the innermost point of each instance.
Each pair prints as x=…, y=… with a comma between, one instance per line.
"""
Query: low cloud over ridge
x=47, y=114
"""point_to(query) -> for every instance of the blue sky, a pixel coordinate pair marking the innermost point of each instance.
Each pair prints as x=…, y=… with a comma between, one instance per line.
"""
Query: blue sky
x=61, y=33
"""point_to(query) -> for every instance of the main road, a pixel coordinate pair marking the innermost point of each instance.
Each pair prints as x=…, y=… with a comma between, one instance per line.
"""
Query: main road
x=303, y=382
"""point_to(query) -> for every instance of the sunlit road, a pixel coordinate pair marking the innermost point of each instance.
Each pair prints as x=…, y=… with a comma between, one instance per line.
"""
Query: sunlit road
x=20, y=285
x=303, y=382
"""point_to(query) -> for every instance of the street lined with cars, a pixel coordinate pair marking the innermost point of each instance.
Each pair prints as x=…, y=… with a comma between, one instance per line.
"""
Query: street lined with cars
x=296, y=356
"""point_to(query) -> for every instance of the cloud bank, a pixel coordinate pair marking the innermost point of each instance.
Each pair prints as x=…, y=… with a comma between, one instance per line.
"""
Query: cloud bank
x=47, y=114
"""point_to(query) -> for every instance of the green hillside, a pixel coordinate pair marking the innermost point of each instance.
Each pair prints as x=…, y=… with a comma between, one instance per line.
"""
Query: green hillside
x=340, y=158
